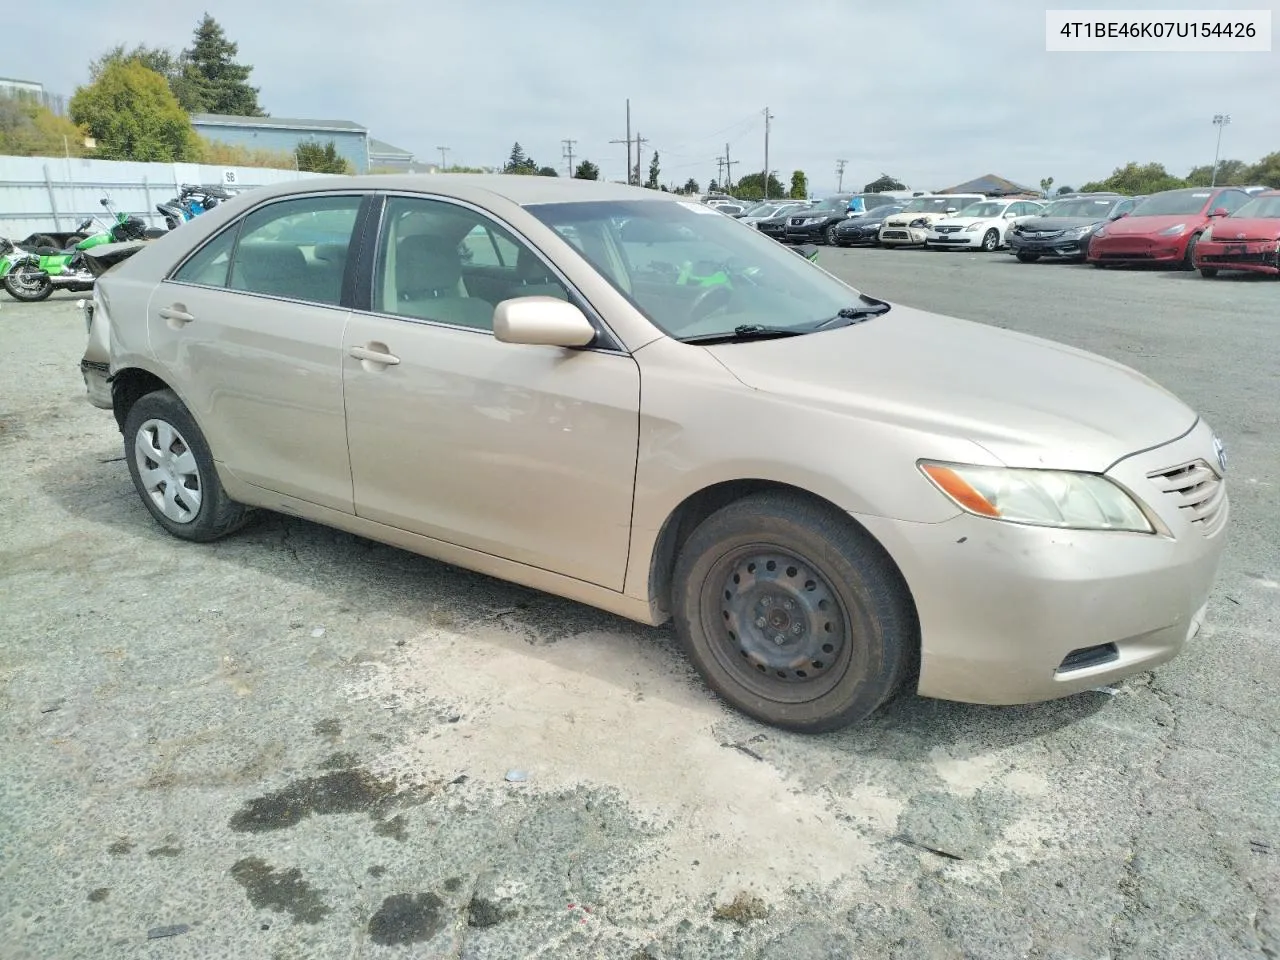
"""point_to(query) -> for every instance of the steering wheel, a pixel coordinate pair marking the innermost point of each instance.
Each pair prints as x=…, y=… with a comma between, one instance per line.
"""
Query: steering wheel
x=708, y=302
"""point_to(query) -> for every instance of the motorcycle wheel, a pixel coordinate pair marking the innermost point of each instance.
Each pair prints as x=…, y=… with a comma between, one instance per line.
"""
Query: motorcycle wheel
x=28, y=291
x=74, y=239
x=44, y=240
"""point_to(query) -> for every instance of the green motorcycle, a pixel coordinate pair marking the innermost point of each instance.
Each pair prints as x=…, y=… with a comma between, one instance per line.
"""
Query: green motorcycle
x=32, y=275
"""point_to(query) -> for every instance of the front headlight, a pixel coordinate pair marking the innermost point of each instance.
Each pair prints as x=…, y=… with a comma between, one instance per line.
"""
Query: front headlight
x=1173, y=231
x=1076, y=232
x=1102, y=232
x=973, y=228
x=1044, y=498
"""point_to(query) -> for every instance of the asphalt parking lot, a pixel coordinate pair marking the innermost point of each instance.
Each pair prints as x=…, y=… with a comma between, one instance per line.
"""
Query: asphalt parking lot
x=295, y=743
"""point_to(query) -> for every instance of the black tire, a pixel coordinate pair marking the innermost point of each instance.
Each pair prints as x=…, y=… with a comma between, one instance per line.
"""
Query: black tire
x=991, y=241
x=849, y=604
x=830, y=236
x=74, y=239
x=44, y=240
x=1208, y=272
x=27, y=293
x=1189, y=258
x=1098, y=263
x=217, y=514
x=1028, y=257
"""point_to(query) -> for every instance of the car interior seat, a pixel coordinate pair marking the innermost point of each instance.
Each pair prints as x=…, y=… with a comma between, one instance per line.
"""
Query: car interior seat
x=428, y=270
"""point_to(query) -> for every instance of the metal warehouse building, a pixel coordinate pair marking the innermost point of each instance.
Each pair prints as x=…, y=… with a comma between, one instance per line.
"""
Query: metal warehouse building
x=283, y=134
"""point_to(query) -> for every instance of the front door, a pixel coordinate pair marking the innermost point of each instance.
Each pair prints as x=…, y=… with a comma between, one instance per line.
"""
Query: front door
x=252, y=326
x=522, y=452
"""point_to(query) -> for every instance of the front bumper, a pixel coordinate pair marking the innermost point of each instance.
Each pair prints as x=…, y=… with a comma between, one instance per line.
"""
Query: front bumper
x=903, y=236
x=1015, y=614
x=97, y=383
x=1135, y=250
x=860, y=235
x=1066, y=248
x=777, y=233
x=960, y=239
x=1255, y=256
x=807, y=234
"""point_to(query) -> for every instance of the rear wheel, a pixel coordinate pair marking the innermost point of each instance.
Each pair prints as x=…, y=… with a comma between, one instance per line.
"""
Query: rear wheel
x=44, y=240
x=991, y=241
x=28, y=283
x=1028, y=257
x=830, y=235
x=793, y=614
x=74, y=239
x=173, y=471
x=1209, y=272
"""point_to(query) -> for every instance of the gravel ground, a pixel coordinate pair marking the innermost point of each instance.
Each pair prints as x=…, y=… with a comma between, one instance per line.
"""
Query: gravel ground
x=297, y=744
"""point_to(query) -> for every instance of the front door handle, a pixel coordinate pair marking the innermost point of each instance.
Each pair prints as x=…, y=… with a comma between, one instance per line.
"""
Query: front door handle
x=373, y=355
x=176, y=314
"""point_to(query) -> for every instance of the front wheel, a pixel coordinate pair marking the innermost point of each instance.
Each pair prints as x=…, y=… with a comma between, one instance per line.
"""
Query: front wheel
x=44, y=240
x=1028, y=257
x=74, y=239
x=831, y=237
x=1208, y=272
x=28, y=283
x=792, y=614
x=1189, y=258
x=173, y=471
x=991, y=241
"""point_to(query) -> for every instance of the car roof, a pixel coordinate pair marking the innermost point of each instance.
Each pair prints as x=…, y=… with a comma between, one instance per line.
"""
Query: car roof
x=515, y=188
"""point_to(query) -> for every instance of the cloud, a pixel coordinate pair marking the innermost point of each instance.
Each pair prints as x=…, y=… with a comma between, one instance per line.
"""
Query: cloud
x=931, y=93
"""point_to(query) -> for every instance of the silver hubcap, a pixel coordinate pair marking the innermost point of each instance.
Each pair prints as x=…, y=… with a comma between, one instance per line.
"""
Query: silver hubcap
x=167, y=470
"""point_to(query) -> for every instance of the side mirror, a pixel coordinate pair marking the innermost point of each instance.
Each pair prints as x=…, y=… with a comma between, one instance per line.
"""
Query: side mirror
x=542, y=321
x=1221, y=212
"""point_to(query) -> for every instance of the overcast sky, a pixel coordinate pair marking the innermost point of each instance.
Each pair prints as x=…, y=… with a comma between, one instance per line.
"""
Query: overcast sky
x=931, y=92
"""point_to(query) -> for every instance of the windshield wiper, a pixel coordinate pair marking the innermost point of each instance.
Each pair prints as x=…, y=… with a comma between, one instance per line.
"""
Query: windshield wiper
x=746, y=331
x=851, y=315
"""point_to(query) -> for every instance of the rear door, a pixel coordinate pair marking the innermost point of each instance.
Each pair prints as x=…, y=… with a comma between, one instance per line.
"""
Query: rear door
x=251, y=327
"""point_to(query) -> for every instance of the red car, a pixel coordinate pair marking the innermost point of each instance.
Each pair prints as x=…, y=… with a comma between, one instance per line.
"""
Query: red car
x=1249, y=239
x=1164, y=228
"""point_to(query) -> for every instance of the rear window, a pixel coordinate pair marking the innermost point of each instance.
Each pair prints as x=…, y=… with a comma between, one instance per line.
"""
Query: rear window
x=1174, y=203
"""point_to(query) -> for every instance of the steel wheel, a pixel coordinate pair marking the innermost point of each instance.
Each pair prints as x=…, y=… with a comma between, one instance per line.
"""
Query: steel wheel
x=167, y=471
x=784, y=633
x=991, y=241
x=831, y=236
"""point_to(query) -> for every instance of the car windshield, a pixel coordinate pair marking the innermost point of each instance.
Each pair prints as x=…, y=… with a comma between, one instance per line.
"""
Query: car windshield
x=832, y=203
x=983, y=209
x=1173, y=203
x=762, y=210
x=694, y=273
x=1084, y=207
x=1260, y=207
x=930, y=204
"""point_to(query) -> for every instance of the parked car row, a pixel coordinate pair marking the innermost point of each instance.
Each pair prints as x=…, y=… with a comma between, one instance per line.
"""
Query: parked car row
x=1209, y=229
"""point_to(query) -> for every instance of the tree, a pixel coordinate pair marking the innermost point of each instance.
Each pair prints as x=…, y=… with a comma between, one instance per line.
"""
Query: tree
x=315, y=157
x=883, y=184
x=30, y=129
x=1267, y=171
x=751, y=187
x=690, y=186
x=713, y=187
x=548, y=172
x=519, y=162
x=1046, y=185
x=1065, y=189
x=163, y=62
x=652, y=182
x=133, y=115
x=1135, y=179
x=799, y=186
x=586, y=170
x=1231, y=173
x=218, y=83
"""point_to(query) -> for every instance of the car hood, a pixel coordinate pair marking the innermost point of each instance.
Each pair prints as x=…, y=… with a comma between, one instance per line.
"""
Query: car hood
x=869, y=220
x=1253, y=228
x=908, y=217
x=1029, y=402
x=1142, y=226
x=1050, y=224
x=961, y=221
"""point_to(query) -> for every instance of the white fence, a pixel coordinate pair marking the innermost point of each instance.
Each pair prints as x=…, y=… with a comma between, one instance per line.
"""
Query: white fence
x=58, y=193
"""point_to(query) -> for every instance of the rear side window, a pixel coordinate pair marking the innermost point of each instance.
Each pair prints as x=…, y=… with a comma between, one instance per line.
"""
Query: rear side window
x=1232, y=200
x=296, y=249
x=208, y=267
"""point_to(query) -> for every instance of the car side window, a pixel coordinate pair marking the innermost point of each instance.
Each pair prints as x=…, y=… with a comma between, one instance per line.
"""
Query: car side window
x=1232, y=201
x=296, y=249
x=208, y=266
x=447, y=263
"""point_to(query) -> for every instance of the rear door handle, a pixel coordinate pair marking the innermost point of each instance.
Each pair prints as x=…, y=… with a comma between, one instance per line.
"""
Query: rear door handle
x=177, y=313
x=374, y=356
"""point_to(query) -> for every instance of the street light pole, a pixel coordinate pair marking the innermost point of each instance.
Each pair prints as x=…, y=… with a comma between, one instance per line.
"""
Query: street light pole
x=1220, y=120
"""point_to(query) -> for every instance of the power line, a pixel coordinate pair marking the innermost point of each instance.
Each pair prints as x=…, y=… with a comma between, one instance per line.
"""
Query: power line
x=568, y=153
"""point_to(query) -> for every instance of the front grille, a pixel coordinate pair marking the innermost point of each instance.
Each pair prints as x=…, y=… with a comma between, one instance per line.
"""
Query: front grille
x=1041, y=234
x=1198, y=489
x=1133, y=255
x=1270, y=259
x=895, y=235
x=949, y=229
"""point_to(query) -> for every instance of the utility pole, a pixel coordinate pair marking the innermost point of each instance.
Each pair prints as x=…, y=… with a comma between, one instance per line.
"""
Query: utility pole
x=1220, y=120
x=728, y=166
x=720, y=173
x=628, y=142
x=444, y=158
x=568, y=153
x=840, y=165
x=640, y=141
x=767, y=117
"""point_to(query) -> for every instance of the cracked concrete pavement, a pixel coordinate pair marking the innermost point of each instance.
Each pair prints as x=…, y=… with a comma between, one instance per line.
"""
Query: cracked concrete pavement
x=296, y=744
